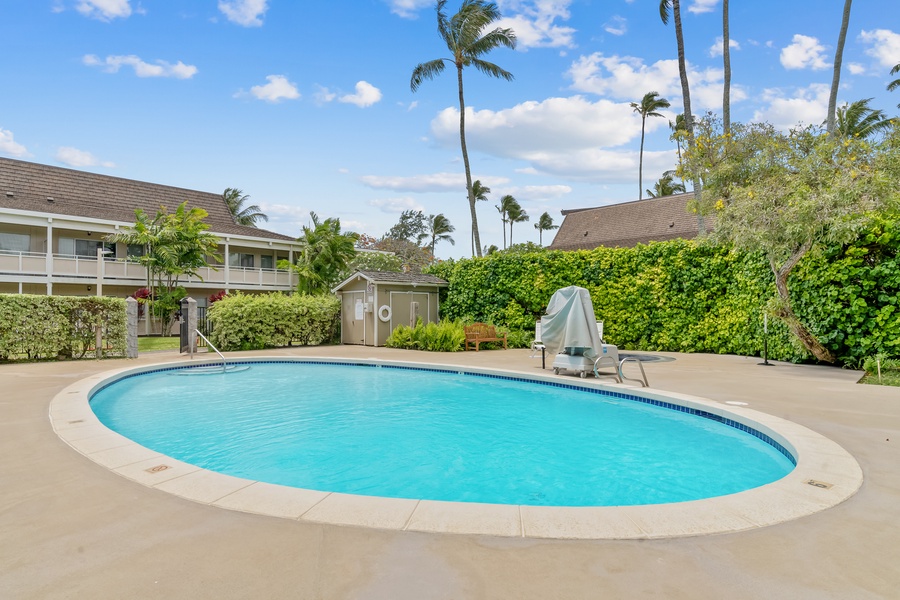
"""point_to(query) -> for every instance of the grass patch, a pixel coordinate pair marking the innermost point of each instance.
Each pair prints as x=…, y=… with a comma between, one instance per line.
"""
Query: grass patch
x=888, y=377
x=155, y=343
x=881, y=370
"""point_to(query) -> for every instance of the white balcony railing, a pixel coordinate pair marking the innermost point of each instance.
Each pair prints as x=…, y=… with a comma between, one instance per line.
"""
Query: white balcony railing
x=121, y=271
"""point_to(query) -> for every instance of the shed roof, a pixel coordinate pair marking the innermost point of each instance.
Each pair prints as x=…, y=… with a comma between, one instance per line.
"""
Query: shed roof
x=627, y=224
x=31, y=186
x=414, y=279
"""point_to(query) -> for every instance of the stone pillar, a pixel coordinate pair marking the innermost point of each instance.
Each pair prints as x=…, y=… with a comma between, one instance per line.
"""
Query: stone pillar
x=189, y=314
x=131, y=326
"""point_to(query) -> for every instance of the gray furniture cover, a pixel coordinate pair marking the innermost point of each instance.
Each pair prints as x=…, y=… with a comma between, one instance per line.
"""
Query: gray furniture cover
x=570, y=325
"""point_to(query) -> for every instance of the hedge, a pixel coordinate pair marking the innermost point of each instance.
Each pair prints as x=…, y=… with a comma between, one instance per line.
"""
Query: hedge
x=257, y=321
x=44, y=327
x=685, y=296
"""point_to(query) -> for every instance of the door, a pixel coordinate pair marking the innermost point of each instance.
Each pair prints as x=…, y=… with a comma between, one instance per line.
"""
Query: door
x=353, y=324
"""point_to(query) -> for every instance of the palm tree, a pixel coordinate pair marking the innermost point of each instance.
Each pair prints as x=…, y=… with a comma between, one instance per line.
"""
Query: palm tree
x=836, y=78
x=666, y=186
x=647, y=107
x=463, y=35
x=678, y=132
x=515, y=214
x=895, y=83
x=545, y=223
x=243, y=215
x=325, y=252
x=858, y=120
x=480, y=191
x=507, y=202
x=726, y=61
x=438, y=228
x=675, y=6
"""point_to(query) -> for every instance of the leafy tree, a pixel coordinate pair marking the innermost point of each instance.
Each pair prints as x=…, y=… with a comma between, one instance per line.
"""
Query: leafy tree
x=438, y=229
x=325, y=253
x=784, y=195
x=176, y=246
x=515, y=214
x=544, y=223
x=858, y=120
x=666, y=186
x=647, y=107
x=411, y=256
x=481, y=195
x=243, y=215
x=836, y=77
x=507, y=203
x=410, y=226
x=467, y=42
x=895, y=83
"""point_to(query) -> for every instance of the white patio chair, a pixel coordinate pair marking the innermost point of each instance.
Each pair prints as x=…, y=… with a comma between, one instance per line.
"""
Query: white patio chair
x=536, y=345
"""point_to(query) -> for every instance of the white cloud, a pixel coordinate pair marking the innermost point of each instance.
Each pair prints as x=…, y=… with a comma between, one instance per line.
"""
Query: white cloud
x=616, y=26
x=807, y=105
x=436, y=182
x=74, y=157
x=278, y=89
x=112, y=64
x=717, y=48
x=366, y=95
x=104, y=10
x=804, y=52
x=534, y=22
x=244, y=12
x=702, y=6
x=885, y=46
x=408, y=9
x=621, y=76
x=534, y=193
x=397, y=205
x=10, y=146
x=323, y=95
x=856, y=69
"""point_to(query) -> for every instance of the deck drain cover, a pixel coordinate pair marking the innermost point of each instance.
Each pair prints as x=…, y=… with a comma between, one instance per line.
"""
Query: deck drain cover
x=819, y=484
x=158, y=468
x=78, y=421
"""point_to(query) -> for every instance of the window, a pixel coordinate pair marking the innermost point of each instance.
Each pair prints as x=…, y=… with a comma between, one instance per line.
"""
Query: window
x=236, y=259
x=15, y=242
x=267, y=261
x=86, y=248
x=134, y=251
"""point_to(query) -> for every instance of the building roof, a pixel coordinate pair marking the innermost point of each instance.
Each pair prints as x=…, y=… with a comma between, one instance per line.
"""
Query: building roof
x=31, y=186
x=377, y=277
x=627, y=224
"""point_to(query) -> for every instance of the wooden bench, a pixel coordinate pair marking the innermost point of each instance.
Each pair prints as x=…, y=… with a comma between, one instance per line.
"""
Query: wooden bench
x=476, y=333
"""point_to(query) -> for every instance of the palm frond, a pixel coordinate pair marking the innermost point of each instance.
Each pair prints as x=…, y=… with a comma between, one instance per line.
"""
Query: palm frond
x=427, y=70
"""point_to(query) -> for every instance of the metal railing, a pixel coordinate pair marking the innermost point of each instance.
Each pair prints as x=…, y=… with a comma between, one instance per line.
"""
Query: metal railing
x=210, y=345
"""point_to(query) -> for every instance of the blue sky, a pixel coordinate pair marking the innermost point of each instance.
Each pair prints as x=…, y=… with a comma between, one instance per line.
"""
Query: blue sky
x=307, y=106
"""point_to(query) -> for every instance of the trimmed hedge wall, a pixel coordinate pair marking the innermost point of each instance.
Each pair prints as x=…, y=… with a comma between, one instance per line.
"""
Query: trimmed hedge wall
x=44, y=327
x=682, y=296
x=257, y=321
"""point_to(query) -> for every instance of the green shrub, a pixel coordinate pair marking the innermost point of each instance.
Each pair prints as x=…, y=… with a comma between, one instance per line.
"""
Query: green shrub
x=43, y=327
x=257, y=321
x=446, y=336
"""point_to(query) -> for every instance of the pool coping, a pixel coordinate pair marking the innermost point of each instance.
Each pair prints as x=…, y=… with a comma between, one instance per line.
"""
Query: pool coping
x=825, y=476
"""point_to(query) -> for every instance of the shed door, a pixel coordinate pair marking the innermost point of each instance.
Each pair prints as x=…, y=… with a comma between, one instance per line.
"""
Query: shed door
x=353, y=318
x=406, y=307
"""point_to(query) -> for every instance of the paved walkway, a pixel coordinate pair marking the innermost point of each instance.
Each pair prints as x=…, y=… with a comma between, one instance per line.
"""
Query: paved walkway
x=72, y=529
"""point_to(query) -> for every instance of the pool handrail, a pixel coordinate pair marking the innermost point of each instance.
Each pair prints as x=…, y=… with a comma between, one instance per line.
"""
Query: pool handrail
x=210, y=344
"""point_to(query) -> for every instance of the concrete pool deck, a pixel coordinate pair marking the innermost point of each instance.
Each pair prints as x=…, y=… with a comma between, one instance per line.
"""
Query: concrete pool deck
x=72, y=528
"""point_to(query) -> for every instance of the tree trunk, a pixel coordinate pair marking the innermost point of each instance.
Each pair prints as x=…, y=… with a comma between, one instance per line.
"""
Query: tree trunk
x=686, y=99
x=726, y=60
x=465, y=154
x=641, y=161
x=786, y=312
x=838, y=58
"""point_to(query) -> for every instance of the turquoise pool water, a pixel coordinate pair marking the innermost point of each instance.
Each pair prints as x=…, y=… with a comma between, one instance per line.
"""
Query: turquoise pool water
x=409, y=433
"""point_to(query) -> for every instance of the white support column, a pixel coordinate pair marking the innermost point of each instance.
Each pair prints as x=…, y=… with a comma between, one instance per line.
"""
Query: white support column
x=48, y=264
x=227, y=266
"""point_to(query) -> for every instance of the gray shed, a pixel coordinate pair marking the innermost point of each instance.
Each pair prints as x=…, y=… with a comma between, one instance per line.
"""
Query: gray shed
x=373, y=303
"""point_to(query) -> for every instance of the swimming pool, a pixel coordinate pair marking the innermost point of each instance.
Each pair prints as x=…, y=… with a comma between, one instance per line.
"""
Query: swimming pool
x=425, y=433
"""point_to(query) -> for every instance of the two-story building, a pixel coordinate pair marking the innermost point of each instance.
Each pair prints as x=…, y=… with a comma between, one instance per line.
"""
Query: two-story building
x=54, y=223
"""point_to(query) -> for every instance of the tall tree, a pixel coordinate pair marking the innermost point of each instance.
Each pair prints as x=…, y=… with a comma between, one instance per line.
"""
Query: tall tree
x=481, y=192
x=325, y=252
x=515, y=214
x=409, y=227
x=836, y=77
x=895, y=83
x=465, y=36
x=858, y=120
x=647, y=107
x=438, y=228
x=666, y=186
x=507, y=202
x=675, y=7
x=726, y=62
x=544, y=223
x=243, y=215
x=678, y=132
